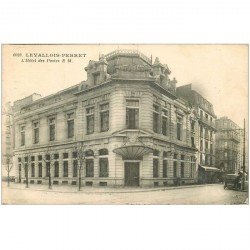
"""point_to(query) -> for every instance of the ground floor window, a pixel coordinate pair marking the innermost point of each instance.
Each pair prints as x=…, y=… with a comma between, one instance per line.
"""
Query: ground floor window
x=20, y=171
x=89, y=168
x=182, y=169
x=155, y=168
x=75, y=168
x=175, y=169
x=65, y=169
x=165, y=168
x=192, y=166
x=40, y=169
x=32, y=170
x=47, y=169
x=56, y=169
x=103, y=164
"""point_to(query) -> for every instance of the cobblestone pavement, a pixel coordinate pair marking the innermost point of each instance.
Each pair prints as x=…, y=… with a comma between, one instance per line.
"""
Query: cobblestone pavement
x=193, y=195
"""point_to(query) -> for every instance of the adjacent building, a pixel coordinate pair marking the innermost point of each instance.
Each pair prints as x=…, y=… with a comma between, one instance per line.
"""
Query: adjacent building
x=203, y=130
x=229, y=145
x=127, y=116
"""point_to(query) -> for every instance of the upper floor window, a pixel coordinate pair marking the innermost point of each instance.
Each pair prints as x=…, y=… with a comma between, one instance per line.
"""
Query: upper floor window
x=211, y=148
x=201, y=131
x=165, y=115
x=192, y=125
x=104, y=117
x=70, y=121
x=211, y=135
x=22, y=135
x=36, y=132
x=179, y=127
x=156, y=118
x=206, y=159
x=192, y=142
x=206, y=133
x=132, y=114
x=52, y=129
x=90, y=120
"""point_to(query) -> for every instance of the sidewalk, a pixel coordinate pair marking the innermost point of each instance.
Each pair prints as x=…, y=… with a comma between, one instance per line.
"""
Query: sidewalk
x=74, y=189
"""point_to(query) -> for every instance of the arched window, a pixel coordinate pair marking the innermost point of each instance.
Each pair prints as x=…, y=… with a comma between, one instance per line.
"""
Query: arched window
x=103, y=151
x=165, y=154
x=156, y=153
x=89, y=153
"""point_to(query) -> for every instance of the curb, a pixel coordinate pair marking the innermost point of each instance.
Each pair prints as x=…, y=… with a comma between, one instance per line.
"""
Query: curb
x=114, y=191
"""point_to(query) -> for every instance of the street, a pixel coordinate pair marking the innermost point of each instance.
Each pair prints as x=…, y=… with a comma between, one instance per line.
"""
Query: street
x=190, y=195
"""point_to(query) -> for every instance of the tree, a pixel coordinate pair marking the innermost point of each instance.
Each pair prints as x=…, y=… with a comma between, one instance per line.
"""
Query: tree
x=49, y=160
x=9, y=165
x=80, y=154
x=26, y=162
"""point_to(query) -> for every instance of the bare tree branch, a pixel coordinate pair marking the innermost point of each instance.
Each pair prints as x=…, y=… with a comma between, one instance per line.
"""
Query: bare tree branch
x=80, y=151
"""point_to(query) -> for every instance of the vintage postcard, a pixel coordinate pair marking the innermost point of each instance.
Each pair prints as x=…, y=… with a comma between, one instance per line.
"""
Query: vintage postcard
x=124, y=124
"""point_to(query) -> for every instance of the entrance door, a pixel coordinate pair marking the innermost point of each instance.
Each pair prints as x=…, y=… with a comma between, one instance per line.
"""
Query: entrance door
x=132, y=173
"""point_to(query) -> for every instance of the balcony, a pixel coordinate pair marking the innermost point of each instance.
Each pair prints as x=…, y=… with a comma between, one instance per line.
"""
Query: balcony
x=206, y=121
x=234, y=137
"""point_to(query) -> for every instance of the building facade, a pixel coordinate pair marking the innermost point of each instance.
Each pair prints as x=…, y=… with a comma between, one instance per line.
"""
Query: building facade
x=127, y=117
x=229, y=145
x=203, y=133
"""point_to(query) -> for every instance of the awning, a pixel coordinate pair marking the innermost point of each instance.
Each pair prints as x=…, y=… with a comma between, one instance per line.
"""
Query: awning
x=134, y=152
x=210, y=169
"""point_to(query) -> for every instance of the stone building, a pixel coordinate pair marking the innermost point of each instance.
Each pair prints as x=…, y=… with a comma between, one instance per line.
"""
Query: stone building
x=229, y=145
x=126, y=116
x=203, y=131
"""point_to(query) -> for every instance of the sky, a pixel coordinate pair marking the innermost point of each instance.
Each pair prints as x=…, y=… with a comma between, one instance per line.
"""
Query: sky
x=218, y=72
